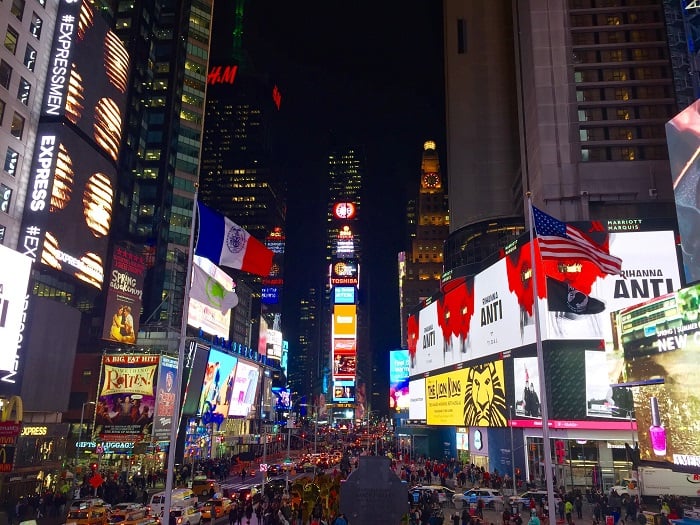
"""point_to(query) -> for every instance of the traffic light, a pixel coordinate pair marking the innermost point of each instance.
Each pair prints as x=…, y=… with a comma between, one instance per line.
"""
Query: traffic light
x=559, y=451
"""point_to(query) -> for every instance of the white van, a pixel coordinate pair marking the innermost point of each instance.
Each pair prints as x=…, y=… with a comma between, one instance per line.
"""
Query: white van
x=178, y=498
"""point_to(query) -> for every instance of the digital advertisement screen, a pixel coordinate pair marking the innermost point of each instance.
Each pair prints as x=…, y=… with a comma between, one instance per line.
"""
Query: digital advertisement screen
x=526, y=381
x=218, y=385
x=126, y=398
x=398, y=380
x=462, y=440
x=68, y=210
x=270, y=295
x=473, y=396
x=164, y=413
x=274, y=344
x=345, y=272
x=283, y=398
x=244, y=388
x=87, y=77
x=417, y=407
x=344, y=391
x=196, y=361
x=13, y=291
x=344, y=358
x=344, y=320
x=210, y=319
x=344, y=295
x=660, y=339
x=683, y=148
x=124, y=295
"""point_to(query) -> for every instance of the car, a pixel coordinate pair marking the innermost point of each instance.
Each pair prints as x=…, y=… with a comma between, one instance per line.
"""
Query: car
x=490, y=497
x=186, y=515
x=215, y=508
x=88, y=515
x=523, y=500
x=274, y=470
x=121, y=509
x=444, y=494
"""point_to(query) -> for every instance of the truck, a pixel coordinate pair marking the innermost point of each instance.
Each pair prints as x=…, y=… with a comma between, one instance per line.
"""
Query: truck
x=656, y=482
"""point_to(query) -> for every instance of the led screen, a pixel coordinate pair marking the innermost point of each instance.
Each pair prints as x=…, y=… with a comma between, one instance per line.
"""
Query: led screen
x=344, y=320
x=13, y=291
x=283, y=398
x=344, y=295
x=217, y=388
x=345, y=272
x=398, y=380
x=195, y=367
x=660, y=340
x=164, y=412
x=274, y=344
x=526, y=381
x=243, y=389
x=344, y=391
x=417, y=406
x=68, y=210
x=344, y=358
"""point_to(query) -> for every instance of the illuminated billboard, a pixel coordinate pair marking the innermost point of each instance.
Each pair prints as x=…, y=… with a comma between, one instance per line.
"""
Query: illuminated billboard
x=344, y=295
x=344, y=391
x=526, y=387
x=345, y=272
x=13, y=292
x=207, y=317
x=217, y=387
x=87, y=77
x=164, y=411
x=398, y=380
x=660, y=339
x=344, y=320
x=493, y=312
x=682, y=135
x=344, y=358
x=243, y=390
x=471, y=396
x=124, y=295
x=126, y=397
x=417, y=405
x=68, y=210
x=274, y=344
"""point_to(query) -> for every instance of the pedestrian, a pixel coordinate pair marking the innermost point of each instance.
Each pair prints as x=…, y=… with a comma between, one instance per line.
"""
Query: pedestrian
x=340, y=520
x=232, y=515
x=534, y=520
x=579, y=506
x=480, y=508
x=568, y=510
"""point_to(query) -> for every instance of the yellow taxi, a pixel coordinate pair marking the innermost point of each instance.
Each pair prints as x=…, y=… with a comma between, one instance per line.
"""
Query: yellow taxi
x=88, y=515
x=215, y=508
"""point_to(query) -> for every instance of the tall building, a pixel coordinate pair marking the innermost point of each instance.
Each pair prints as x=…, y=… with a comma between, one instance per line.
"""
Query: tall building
x=304, y=354
x=345, y=364
x=24, y=59
x=422, y=265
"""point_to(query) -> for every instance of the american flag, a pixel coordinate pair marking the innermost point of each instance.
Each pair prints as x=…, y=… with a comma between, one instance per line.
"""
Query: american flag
x=558, y=240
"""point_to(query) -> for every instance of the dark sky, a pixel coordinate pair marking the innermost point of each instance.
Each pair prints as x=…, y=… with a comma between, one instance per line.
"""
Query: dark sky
x=364, y=72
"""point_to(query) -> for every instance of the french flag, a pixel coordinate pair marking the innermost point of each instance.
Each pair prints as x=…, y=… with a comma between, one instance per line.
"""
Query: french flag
x=225, y=243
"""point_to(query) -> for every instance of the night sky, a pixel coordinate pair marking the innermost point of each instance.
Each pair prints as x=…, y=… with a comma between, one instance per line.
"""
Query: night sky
x=362, y=72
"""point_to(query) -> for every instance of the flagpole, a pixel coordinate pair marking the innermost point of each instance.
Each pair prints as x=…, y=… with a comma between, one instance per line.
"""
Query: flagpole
x=175, y=425
x=547, y=448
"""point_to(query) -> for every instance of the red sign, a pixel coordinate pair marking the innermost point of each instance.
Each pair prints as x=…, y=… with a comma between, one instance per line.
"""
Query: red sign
x=10, y=428
x=222, y=75
x=96, y=480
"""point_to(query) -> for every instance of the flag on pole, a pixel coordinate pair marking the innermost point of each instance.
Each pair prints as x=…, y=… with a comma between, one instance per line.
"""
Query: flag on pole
x=225, y=243
x=562, y=297
x=558, y=240
x=211, y=292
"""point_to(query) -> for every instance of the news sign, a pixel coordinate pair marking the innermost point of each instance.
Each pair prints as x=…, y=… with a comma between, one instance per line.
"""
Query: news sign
x=126, y=397
x=344, y=294
x=13, y=294
x=124, y=296
x=345, y=272
x=270, y=295
x=87, y=77
x=68, y=209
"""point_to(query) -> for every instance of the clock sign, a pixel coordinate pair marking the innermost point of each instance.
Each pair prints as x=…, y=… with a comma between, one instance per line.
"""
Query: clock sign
x=344, y=210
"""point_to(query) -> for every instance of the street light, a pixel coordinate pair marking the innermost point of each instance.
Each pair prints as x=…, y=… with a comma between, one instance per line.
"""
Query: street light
x=512, y=447
x=80, y=430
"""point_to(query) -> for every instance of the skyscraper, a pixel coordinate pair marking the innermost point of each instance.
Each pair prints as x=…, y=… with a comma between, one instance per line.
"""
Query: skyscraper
x=422, y=265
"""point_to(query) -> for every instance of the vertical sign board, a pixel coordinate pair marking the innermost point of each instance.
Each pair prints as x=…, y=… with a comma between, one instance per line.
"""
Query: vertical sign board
x=165, y=399
x=126, y=400
x=13, y=295
x=124, y=296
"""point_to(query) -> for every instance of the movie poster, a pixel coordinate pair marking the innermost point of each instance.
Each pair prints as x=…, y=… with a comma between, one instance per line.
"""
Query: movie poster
x=126, y=397
x=165, y=399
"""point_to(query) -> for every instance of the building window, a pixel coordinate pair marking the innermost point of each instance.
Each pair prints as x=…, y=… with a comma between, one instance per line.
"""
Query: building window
x=23, y=91
x=17, y=8
x=30, y=58
x=2, y=110
x=17, y=129
x=5, y=74
x=461, y=36
x=5, y=198
x=2, y=233
x=35, y=26
x=11, y=161
x=11, y=37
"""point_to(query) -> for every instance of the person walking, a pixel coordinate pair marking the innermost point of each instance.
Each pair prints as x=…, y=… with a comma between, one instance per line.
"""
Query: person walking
x=578, y=504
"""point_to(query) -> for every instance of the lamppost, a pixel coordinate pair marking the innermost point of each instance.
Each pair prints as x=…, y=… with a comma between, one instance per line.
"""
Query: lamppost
x=512, y=448
x=80, y=439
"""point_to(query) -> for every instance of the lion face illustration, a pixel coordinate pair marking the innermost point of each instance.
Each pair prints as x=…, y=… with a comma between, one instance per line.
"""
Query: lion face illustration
x=485, y=399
